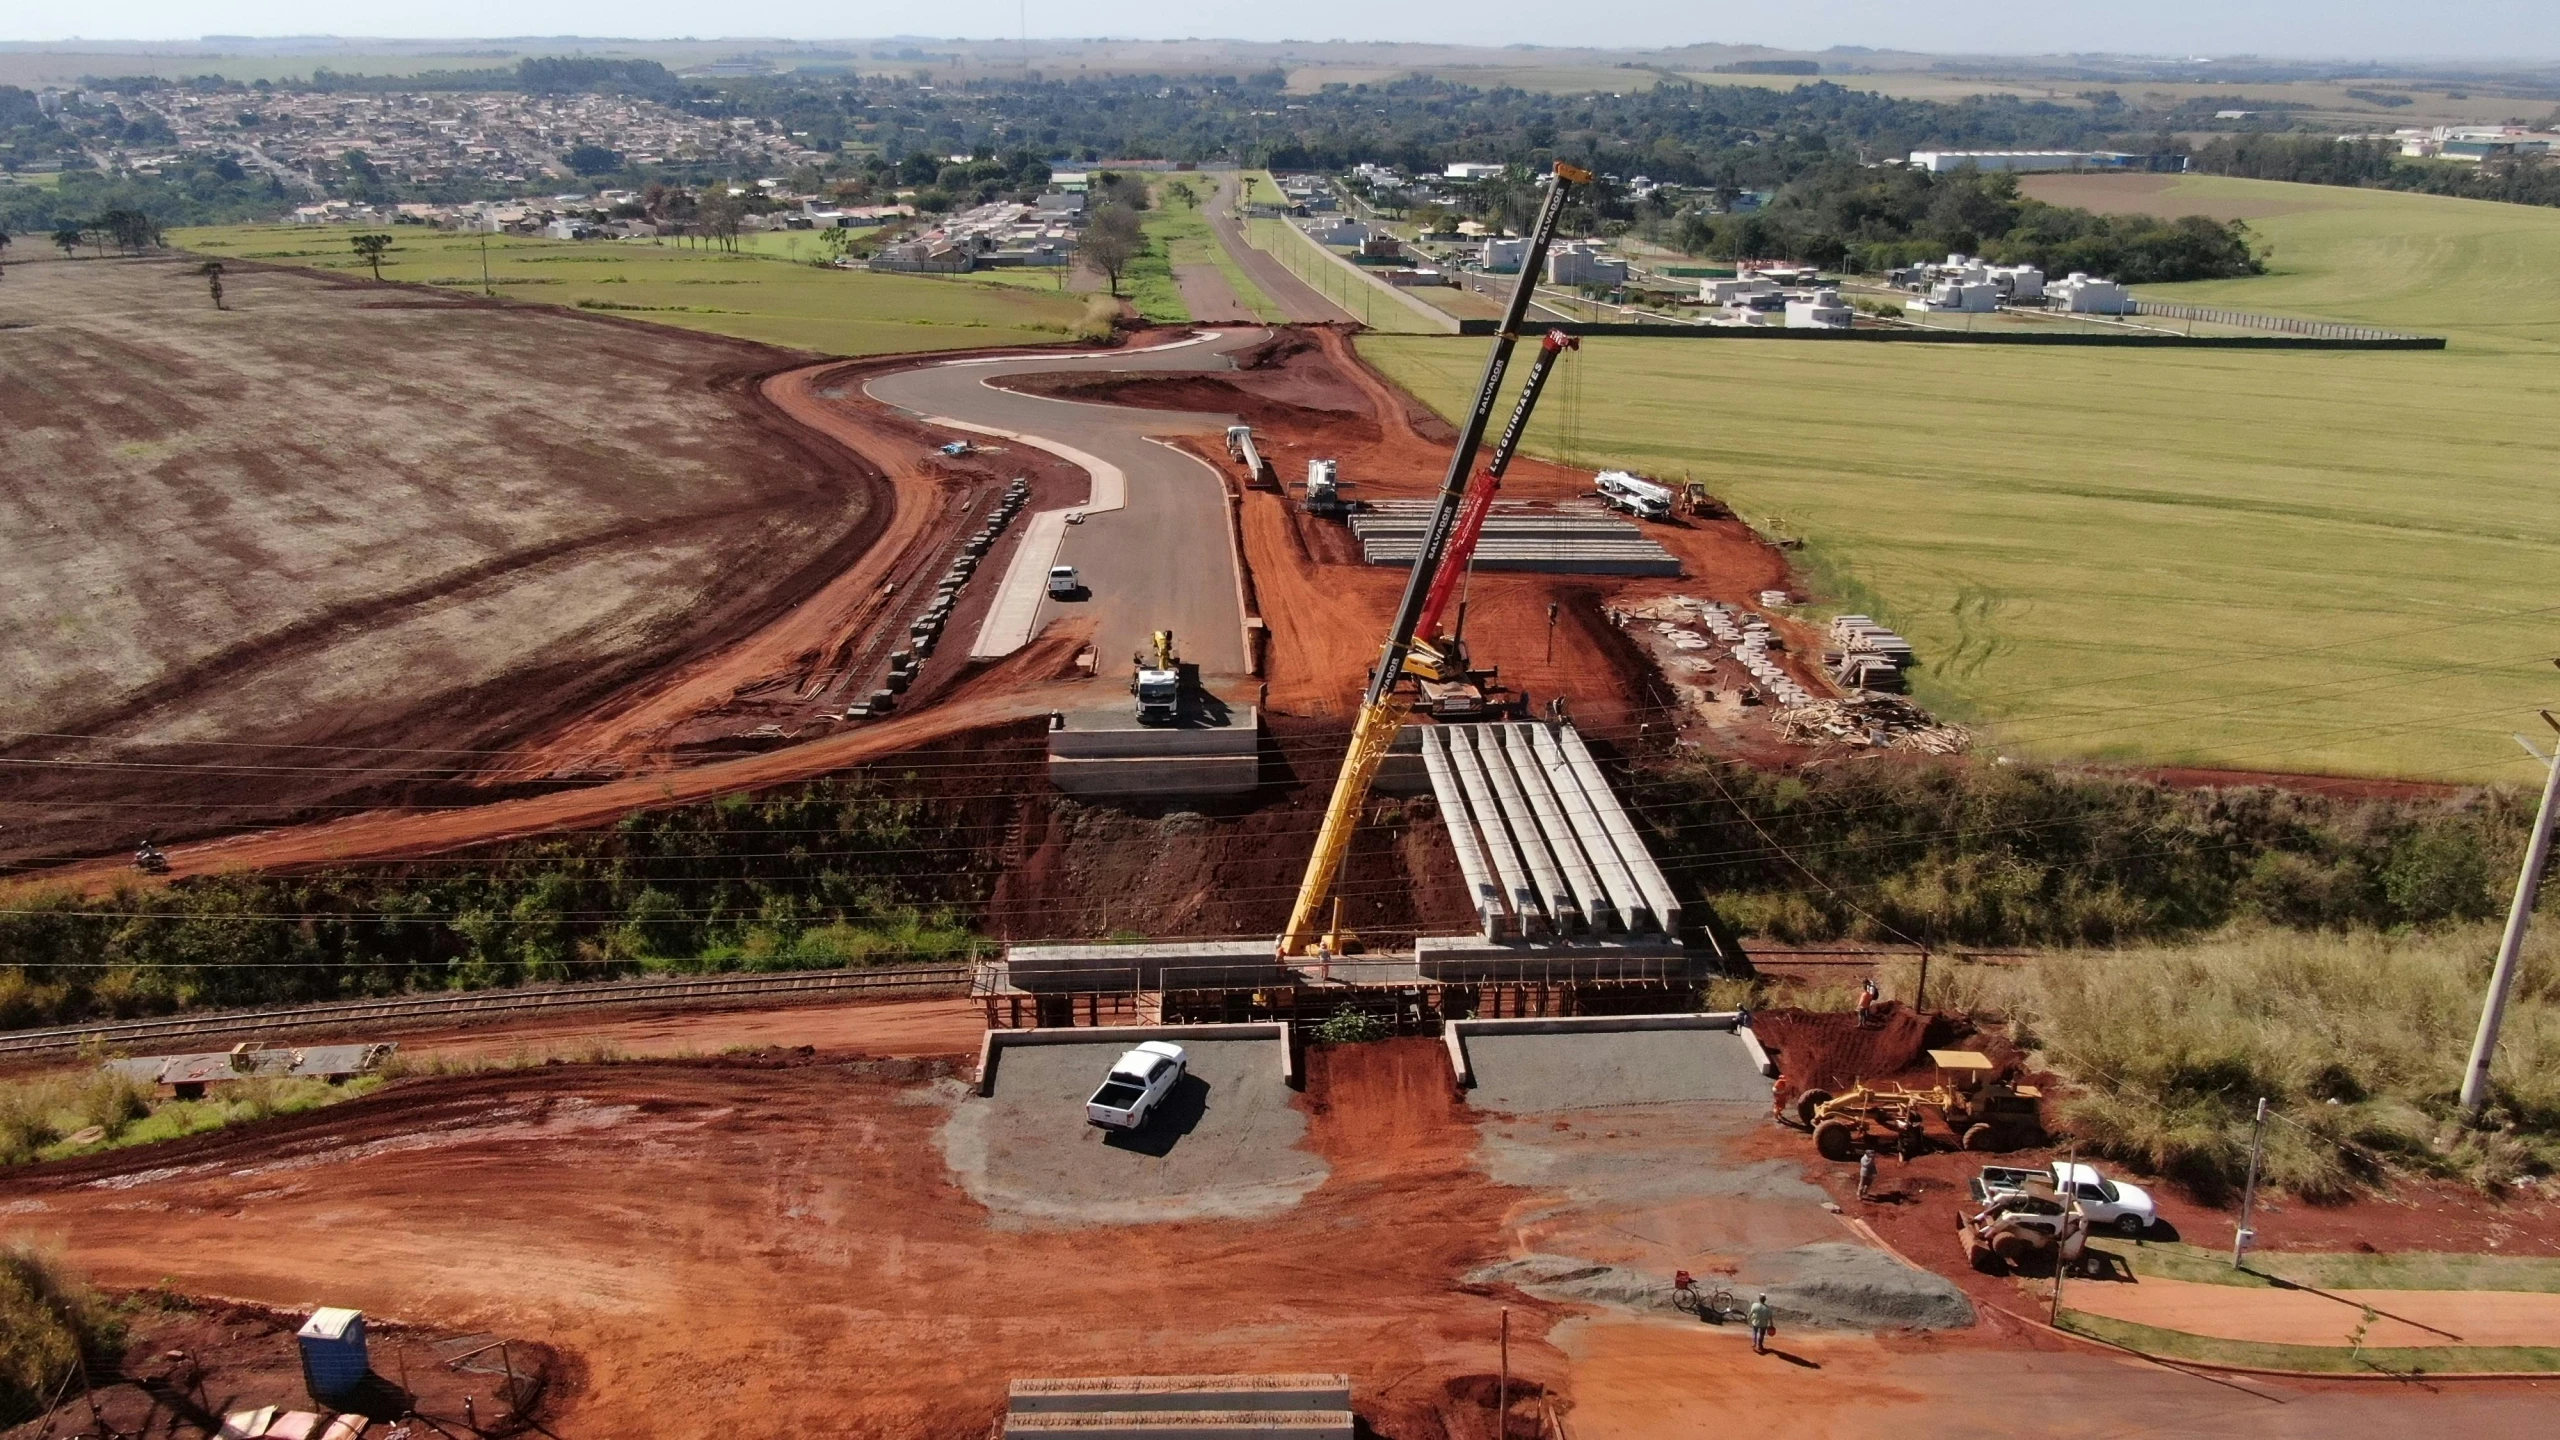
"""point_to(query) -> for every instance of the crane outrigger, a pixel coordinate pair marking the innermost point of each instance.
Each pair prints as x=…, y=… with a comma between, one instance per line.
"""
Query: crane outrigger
x=1414, y=646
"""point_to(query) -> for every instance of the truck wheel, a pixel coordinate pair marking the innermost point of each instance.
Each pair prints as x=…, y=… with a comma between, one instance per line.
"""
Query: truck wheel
x=2130, y=1226
x=1809, y=1102
x=1836, y=1140
x=1977, y=1137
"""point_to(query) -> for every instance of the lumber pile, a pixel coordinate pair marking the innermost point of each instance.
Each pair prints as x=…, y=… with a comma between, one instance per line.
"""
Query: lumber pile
x=1884, y=722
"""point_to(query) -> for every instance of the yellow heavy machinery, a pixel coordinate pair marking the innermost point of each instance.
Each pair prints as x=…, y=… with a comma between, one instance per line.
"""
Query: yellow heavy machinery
x=1409, y=653
x=1982, y=1110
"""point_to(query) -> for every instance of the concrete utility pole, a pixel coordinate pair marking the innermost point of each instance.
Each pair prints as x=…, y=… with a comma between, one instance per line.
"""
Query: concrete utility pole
x=2243, y=1237
x=2537, y=854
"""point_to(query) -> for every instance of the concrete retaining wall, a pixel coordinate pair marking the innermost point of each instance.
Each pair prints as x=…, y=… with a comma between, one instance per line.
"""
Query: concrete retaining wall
x=1453, y=1033
x=992, y=1044
x=1176, y=965
x=1141, y=777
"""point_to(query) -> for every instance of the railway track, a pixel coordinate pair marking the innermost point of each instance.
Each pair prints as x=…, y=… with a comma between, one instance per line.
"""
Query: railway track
x=708, y=989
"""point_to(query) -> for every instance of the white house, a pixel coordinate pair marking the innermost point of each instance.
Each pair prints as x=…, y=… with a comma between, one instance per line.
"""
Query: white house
x=1821, y=310
x=1957, y=297
x=1503, y=256
x=1580, y=264
x=1726, y=292
x=2084, y=294
x=1345, y=231
x=1470, y=170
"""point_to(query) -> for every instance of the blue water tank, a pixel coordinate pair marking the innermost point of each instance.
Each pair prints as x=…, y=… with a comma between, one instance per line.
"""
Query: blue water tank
x=334, y=1362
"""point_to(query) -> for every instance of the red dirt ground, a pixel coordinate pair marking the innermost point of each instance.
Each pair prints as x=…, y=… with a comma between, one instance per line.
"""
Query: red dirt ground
x=707, y=1239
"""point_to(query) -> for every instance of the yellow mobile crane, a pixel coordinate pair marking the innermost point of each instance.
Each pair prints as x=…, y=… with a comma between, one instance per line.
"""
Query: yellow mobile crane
x=1383, y=713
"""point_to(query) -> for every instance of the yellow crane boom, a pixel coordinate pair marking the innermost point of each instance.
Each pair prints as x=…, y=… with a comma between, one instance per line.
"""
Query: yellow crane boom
x=1383, y=713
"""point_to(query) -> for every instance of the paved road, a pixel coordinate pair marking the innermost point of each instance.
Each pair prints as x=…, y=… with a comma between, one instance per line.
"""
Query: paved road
x=1164, y=559
x=1296, y=298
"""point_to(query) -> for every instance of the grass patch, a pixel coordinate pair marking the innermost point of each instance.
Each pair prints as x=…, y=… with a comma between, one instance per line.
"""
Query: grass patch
x=2358, y=1040
x=2317, y=1359
x=50, y=1322
x=58, y=1116
x=776, y=296
x=2278, y=560
x=2340, y=1270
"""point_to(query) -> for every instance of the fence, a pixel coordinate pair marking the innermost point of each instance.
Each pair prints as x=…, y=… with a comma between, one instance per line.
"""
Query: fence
x=2285, y=324
x=1372, y=303
x=2304, y=339
x=431, y=1008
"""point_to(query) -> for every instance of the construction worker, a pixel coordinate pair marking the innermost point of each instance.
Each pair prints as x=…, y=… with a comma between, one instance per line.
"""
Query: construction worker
x=1907, y=1143
x=1866, y=1173
x=1868, y=999
x=1764, y=1323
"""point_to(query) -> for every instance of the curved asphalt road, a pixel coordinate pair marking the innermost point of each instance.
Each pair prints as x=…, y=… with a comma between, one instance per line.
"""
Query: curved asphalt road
x=1163, y=560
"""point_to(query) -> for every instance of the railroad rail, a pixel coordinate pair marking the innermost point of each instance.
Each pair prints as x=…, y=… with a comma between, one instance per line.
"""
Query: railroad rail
x=696, y=989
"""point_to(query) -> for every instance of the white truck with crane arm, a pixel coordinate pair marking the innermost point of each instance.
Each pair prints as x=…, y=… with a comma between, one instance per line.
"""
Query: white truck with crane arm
x=1637, y=496
x=2126, y=1207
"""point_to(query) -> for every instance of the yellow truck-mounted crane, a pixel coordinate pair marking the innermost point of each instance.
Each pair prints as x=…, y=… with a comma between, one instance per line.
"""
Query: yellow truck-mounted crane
x=1384, y=710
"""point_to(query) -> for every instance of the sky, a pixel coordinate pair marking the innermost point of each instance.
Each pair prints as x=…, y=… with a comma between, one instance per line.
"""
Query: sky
x=2349, y=29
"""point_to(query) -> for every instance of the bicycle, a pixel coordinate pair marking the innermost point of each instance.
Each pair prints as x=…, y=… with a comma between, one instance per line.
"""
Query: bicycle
x=1715, y=1306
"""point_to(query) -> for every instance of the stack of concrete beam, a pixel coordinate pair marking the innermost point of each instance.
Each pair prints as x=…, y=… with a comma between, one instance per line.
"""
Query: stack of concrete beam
x=1182, y=1407
x=1572, y=539
x=1544, y=845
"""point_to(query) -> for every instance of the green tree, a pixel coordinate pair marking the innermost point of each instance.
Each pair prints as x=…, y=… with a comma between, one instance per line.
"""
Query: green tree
x=370, y=249
x=211, y=270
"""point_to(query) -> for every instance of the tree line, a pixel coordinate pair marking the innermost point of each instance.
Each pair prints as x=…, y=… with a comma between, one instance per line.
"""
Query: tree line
x=2379, y=165
x=1873, y=219
x=834, y=873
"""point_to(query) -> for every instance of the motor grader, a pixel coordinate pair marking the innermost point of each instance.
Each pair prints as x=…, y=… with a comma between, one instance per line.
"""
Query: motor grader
x=1981, y=1110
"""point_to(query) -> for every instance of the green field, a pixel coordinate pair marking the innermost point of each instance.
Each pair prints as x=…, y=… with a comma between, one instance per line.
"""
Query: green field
x=2334, y=562
x=768, y=297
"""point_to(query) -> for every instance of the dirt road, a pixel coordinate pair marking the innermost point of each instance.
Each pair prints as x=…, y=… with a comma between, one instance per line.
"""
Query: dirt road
x=2403, y=1318
x=1297, y=300
x=1159, y=560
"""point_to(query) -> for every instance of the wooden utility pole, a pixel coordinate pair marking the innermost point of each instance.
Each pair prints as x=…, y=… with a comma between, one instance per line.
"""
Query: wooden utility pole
x=1502, y=1389
x=2502, y=980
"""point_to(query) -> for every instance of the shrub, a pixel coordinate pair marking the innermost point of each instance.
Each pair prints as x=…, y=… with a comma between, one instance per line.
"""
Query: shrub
x=50, y=1321
x=1351, y=1027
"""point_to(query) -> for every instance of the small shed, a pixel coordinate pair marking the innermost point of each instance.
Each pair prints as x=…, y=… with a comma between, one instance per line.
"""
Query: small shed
x=334, y=1360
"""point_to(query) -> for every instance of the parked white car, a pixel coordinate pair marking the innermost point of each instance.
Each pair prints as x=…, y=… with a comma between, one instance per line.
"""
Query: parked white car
x=1064, y=583
x=1138, y=1082
x=2128, y=1208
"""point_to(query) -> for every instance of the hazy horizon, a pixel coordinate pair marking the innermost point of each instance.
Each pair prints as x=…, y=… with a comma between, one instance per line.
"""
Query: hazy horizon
x=2510, y=32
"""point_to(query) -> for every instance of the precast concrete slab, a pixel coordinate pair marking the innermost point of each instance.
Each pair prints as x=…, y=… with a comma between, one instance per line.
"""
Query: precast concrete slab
x=1522, y=1073
x=1067, y=1394
x=1171, y=965
x=1189, y=1425
x=1226, y=1144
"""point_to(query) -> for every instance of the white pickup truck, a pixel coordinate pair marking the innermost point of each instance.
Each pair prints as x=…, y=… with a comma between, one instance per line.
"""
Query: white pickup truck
x=1138, y=1082
x=2127, y=1208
